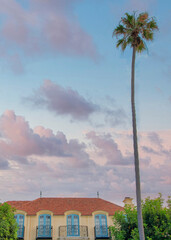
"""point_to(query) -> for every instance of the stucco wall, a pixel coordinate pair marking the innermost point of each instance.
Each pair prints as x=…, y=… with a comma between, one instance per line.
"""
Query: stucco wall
x=31, y=222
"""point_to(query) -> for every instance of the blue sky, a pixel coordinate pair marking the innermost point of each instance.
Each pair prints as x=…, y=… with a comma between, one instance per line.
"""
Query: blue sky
x=60, y=71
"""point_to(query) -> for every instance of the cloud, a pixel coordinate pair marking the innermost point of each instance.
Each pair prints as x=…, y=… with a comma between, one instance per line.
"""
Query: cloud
x=115, y=117
x=20, y=159
x=68, y=102
x=43, y=27
x=4, y=164
x=18, y=142
x=107, y=148
x=149, y=150
x=38, y=159
x=155, y=139
x=63, y=101
x=157, y=146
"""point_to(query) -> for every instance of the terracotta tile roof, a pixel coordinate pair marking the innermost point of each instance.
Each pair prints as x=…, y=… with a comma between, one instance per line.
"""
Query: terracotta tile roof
x=60, y=205
x=17, y=204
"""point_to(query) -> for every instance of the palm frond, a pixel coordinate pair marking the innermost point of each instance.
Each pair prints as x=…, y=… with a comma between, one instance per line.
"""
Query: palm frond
x=124, y=45
x=133, y=30
x=152, y=24
x=119, y=30
x=142, y=17
x=141, y=47
x=119, y=42
x=147, y=34
x=128, y=20
x=130, y=40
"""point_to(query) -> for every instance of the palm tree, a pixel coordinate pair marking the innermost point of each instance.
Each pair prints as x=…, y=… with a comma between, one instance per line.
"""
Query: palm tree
x=133, y=31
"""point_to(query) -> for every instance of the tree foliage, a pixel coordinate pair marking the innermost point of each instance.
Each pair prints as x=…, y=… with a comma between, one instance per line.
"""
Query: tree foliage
x=157, y=221
x=134, y=30
x=8, y=225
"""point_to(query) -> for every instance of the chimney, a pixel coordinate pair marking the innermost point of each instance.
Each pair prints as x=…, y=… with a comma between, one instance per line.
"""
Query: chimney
x=128, y=201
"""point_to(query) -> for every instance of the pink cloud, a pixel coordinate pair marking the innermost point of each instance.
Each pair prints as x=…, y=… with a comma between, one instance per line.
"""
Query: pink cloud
x=43, y=132
x=107, y=148
x=18, y=141
x=18, y=138
x=155, y=139
x=46, y=26
x=40, y=159
x=154, y=153
x=15, y=31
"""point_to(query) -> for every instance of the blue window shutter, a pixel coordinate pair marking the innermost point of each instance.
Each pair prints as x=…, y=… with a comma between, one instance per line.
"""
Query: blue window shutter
x=73, y=225
x=44, y=228
x=20, y=221
x=101, y=225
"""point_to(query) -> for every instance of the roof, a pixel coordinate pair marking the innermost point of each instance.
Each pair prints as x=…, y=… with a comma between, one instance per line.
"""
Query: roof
x=17, y=204
x=60, y=205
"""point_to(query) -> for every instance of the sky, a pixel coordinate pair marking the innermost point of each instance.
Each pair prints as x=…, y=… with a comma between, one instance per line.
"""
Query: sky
x=65, y=111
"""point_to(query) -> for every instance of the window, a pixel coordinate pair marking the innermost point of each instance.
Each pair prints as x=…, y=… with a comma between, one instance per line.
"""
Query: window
x=20, y=221
x=44, y=228
x=101, y=226
x=73, y=225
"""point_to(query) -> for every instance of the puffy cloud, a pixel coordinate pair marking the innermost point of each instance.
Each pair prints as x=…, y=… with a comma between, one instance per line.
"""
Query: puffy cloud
x=63, y=101
x=44, y=26
x=68, y=102
x=18, y=142
x=107, y=148
x=18, y=138
x=43, y=132
x=154, y=153
x=37, y=159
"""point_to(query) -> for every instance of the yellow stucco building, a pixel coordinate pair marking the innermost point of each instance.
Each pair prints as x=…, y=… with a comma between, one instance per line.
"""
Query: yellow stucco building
x=64, y=218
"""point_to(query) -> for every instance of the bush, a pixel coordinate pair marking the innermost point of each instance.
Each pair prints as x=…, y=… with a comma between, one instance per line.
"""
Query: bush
x=156, y=218
x=8, y=225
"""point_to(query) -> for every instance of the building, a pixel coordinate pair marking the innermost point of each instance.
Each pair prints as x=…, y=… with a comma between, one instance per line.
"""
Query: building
x=128, y=201
x=64, y=218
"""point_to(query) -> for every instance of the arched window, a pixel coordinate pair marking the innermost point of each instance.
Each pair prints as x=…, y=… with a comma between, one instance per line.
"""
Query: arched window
x=73, y=225
x=20, y=221
x=101, y=229
x=44, y=228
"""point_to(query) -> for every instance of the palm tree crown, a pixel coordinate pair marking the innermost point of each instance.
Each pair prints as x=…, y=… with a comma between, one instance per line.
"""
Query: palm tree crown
x=135, y=31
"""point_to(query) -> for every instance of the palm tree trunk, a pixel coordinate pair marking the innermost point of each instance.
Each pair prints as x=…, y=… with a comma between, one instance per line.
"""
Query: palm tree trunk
x=136, y=157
